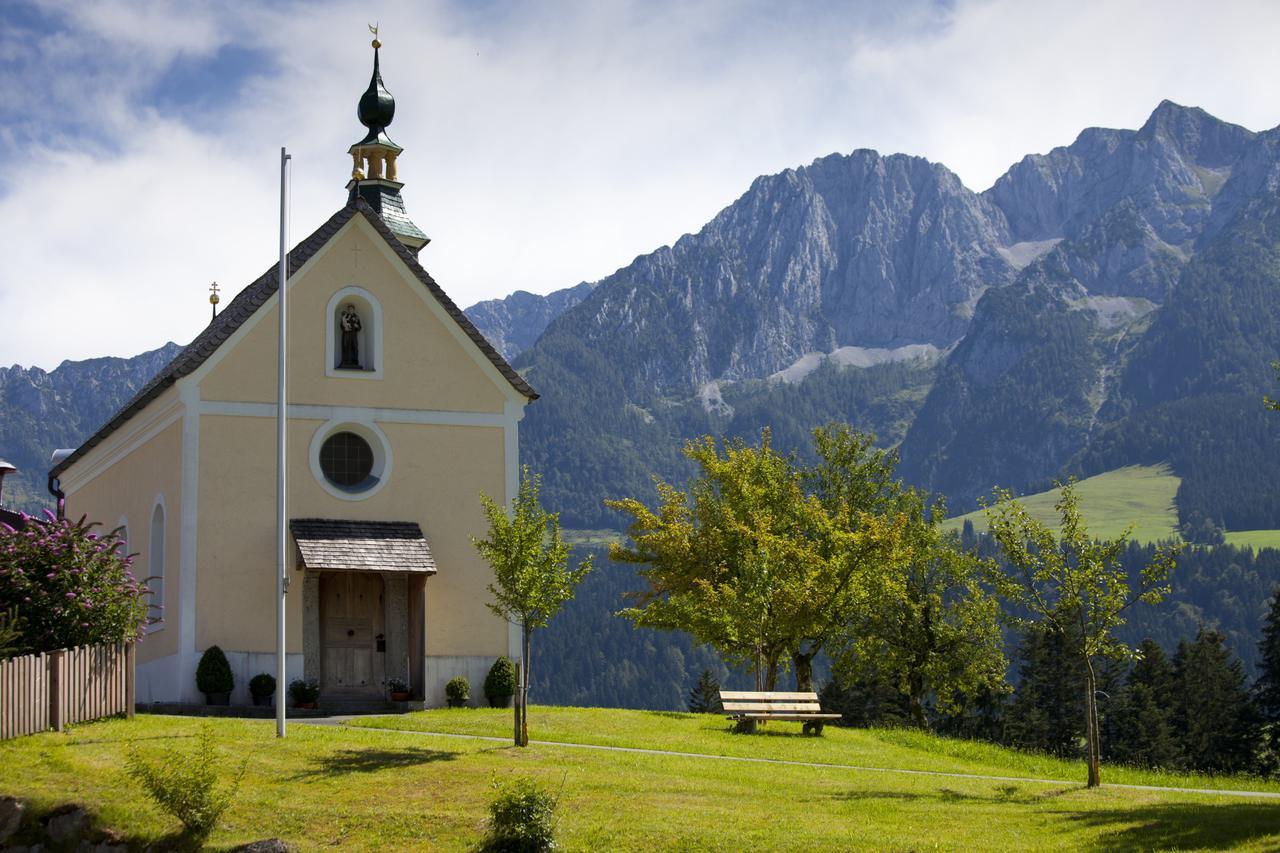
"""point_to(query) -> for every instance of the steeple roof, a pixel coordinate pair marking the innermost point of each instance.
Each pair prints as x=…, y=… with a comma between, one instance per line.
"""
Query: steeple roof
x=376, y=108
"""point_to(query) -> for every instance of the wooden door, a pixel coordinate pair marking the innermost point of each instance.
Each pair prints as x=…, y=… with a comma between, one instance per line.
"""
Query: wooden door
x=351, y=623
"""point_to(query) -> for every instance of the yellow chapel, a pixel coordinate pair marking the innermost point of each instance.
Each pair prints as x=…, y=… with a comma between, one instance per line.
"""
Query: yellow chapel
x=399, y=415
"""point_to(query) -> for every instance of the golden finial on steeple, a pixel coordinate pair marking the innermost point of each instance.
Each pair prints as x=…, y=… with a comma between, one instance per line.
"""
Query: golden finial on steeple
x=373, y=28
x=213, y=298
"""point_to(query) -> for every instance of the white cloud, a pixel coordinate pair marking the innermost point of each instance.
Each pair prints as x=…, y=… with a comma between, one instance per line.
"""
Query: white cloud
x=545, y=144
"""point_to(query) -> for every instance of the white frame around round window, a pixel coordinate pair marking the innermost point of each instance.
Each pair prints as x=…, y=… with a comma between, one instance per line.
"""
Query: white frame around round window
x=370, y=311
x=378, y=443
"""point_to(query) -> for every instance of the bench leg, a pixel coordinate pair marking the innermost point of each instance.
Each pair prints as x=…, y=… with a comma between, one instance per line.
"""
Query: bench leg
x=745, y=727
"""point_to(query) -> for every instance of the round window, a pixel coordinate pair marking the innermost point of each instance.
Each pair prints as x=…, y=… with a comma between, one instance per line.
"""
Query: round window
x=346, y=460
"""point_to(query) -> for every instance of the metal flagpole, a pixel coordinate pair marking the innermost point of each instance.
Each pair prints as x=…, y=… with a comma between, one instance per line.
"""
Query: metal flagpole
x=282, y=517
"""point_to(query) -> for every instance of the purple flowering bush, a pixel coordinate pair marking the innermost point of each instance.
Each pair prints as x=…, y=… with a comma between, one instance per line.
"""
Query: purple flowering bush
x=71, y=585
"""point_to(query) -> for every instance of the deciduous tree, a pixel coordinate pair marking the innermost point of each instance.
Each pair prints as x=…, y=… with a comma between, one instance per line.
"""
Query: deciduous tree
x=749, y=560
x=1075, y=585
x=532, y=578
x=939, y=628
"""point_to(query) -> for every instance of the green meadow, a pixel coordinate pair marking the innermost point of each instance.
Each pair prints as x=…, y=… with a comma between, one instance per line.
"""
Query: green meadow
x=359, y=787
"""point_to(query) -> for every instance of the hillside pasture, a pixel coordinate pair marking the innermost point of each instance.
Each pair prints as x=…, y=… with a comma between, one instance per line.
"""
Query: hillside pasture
x=1138, y=495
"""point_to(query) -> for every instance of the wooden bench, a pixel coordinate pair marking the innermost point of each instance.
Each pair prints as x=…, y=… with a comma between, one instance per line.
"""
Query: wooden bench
x=747, y=709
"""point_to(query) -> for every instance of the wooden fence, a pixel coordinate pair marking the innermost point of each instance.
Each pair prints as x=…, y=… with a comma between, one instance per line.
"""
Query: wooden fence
x=54, y=689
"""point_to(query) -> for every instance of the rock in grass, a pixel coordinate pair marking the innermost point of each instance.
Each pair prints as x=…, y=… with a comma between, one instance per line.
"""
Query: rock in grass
x=11, y=811
x=66, y=823
x=268, y=845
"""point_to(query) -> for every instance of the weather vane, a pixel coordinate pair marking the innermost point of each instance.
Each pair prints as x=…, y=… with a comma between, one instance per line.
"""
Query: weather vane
x=373, y=28
x=213, y=298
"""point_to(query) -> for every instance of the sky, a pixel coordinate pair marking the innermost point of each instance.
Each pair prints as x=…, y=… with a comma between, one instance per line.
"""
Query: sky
x=546, y=143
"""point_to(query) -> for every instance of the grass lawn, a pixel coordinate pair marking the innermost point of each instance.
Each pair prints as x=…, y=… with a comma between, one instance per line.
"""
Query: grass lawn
x=1140, y=495
x=354, y=788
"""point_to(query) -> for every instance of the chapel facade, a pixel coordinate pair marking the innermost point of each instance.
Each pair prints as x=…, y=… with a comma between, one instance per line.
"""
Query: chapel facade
x=400, y=414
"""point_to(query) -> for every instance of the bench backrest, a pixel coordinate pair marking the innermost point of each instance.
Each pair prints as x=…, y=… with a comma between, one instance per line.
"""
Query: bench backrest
x=744, y=702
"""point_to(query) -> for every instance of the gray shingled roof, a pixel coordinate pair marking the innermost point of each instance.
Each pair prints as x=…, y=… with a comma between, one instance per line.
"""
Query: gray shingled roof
x=380, y=546
x=255, y=296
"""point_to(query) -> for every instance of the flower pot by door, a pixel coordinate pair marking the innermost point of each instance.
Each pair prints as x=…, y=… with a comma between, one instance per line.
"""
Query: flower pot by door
x=262, y=701
x=218, y=698
x=400, y=696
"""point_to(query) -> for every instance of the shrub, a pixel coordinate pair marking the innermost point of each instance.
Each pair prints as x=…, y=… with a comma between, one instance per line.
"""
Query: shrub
x=457, y=691
x=304, y=691
x=704, y=698
x=522, y=818
x=262, y=685
x=185, y=783
x=500, y=683
x=72, y=585
x=396, y=685
x=213, y=674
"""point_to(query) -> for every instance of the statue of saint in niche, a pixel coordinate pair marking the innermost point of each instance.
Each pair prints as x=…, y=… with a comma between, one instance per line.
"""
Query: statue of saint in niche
x=349, y=322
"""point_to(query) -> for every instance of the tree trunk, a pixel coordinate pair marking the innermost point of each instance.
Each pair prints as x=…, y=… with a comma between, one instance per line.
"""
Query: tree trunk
x=917, y=711
x=804, y=671
x=516, y=704
x=771, y=672
x=524, y=687
x=1091, y=725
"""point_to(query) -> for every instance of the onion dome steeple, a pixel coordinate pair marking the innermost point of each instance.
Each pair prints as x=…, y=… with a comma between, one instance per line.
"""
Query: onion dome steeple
x=373, y=173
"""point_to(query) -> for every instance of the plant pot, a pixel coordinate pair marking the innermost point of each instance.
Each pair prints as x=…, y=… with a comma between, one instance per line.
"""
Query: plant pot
x=263, y=701
x=305, y=706
x=456, y=703
x=218, y=698
x=400, y=696
x=499, y=701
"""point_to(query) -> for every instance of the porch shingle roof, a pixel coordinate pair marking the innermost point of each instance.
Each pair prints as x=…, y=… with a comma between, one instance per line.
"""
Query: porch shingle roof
x=379, y=546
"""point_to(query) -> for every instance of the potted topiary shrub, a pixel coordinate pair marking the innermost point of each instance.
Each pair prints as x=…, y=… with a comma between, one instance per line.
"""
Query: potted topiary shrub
x=214, y=678
x=305, y=693
x=457, y=692
x=398, y=689
x=262, y=687
x=500, y=683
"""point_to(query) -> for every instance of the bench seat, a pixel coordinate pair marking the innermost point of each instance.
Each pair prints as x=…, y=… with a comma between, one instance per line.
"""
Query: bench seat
x=747, y=709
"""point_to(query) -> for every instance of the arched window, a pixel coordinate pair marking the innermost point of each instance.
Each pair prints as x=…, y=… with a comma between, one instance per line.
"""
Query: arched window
x=155, y=567
x=353, y=337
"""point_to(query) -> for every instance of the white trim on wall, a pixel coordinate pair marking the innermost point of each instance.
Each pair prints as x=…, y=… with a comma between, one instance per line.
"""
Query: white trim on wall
x=357, y=413
x=185, y=672
x=514, y=411
x=373, y=333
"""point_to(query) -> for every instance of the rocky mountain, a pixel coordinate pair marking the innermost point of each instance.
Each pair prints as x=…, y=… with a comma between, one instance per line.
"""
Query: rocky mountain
x=513, y=323
x=1034, y=313
x=41, y=411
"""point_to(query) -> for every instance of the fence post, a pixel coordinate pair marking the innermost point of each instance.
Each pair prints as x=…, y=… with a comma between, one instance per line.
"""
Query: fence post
x=130, y=677
x=57, y=675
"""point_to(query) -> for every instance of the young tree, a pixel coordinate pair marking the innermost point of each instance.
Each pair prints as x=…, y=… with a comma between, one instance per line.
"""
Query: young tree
x=1075, y=585
x=940, y=632
x=531, y=571
x=704, y=698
